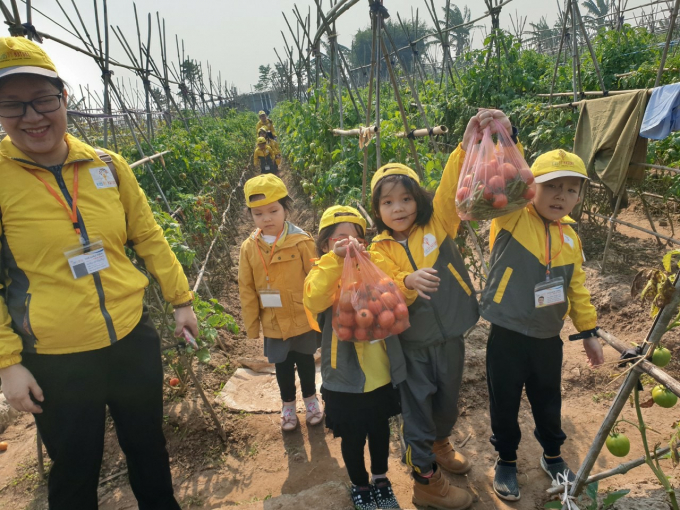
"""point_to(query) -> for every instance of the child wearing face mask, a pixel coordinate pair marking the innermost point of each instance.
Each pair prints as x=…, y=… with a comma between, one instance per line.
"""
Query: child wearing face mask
x=535, y=281
x=273, y=264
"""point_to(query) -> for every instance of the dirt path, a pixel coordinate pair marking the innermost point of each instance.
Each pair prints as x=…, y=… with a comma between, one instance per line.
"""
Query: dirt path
x=259, y=463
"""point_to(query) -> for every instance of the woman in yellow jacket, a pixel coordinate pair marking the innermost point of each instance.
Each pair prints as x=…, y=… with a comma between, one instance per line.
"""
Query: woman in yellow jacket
x=273, y=264
x=75, y=337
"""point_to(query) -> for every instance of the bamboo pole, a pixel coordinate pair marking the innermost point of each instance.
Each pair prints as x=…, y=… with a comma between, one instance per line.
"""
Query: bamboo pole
x=669, y=37
x=420, y=133
x=559, y=51
x=354, y=132
x=635, y=227
x=611, y=230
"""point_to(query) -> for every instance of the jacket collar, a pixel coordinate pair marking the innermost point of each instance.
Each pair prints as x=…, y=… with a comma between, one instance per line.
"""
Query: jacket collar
x=288, y=230
x=77, y=152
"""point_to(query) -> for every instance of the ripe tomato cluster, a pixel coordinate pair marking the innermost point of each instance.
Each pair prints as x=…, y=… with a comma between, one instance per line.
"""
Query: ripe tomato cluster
x=366, y=312
x=491, y=185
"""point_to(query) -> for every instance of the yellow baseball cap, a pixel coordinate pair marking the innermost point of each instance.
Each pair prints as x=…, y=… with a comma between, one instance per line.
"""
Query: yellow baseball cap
x=21, y=56
x=268, y=185
x=261, y=112
x=261, y=139
x=558, y=163
x=393, y=169
x=262, y=128
x=341, y=214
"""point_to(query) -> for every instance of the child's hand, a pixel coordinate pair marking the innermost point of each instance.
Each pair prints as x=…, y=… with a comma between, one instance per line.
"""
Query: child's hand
x=477, y=123
x=593, y=351
x=340, y=247
x=423, y=280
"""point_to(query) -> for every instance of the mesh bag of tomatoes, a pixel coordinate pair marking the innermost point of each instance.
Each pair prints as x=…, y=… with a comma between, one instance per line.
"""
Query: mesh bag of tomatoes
x=369, y=305
x=495, y=180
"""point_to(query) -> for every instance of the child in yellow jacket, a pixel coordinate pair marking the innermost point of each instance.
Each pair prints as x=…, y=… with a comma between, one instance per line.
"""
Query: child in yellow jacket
x=359, y=378
x=535, y=281
x=264, y=158
x=273, y=264
x=271, y=143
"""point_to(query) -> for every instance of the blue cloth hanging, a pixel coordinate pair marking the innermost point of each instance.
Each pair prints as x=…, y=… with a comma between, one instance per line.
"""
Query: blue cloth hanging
x=663, y=113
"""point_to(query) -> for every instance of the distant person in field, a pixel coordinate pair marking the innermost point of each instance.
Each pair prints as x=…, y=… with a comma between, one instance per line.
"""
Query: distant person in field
x=264, y=158
x=535, y=279
x=359, y=378
x=75, y=336
x=271, y=143
x=273, y=264
x=265, y=122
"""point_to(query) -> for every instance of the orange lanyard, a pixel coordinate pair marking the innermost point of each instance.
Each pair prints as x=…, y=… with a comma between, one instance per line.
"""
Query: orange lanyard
x=548, y=258
x=73, y=210
x=271, y=257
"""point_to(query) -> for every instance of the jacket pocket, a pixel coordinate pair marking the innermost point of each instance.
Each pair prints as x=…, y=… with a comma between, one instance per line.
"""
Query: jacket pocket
x=299, y=314
x=27, y=316
x=460, y=280
x=500, y=291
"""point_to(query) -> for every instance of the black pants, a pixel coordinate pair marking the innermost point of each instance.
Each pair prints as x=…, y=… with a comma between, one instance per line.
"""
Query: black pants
x=128, y=378
x=515, y=361
x=285, y=375
x=352, y=447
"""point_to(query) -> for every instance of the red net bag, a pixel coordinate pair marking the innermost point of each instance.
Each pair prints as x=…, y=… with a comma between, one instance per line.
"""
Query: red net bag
x=495, y=180
x=369, y=306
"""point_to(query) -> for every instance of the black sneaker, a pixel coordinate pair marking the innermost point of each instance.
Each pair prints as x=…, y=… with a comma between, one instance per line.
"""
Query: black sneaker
x=362, y=497
x=505, y=481
x=383, y=495
x=557, y=467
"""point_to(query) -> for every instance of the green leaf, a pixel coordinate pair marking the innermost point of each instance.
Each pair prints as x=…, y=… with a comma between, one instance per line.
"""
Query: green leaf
x=203, y=355
x=613, y=497
x=553, y=504
x=591, y=491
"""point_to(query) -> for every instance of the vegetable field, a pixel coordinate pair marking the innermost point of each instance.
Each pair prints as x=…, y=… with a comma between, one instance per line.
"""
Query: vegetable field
x=402, y=91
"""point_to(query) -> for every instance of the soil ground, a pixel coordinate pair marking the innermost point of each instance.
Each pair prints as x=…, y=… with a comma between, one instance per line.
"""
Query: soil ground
x=259, y=467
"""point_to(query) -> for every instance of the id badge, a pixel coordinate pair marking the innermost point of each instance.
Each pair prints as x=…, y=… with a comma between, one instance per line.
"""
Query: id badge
x=271, y=298
x=550, y=292
x=266, y=168
x=86, y=259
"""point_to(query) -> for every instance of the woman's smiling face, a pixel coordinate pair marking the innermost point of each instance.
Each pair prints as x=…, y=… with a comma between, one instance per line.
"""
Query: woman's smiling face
x=38, y=135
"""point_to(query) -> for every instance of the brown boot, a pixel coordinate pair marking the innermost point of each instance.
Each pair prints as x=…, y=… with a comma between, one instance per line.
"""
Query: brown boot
x=438, y=493
x=448, y=458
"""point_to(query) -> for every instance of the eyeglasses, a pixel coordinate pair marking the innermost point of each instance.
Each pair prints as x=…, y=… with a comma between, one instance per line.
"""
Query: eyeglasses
x=42, y=104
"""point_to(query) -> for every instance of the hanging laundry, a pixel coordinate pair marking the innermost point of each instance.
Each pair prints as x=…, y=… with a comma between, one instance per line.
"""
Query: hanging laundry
x=663, y=112
x=607, y=138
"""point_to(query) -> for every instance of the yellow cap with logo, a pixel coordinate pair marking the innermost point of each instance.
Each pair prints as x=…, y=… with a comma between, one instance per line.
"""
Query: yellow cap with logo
x=341, y=214
x=558, y=163
x=268, y=185
x=261, y=139
x=261, y=112
x=18, y=55
x=393, y=169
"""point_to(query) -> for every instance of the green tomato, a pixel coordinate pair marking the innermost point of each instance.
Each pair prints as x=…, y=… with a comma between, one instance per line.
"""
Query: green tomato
x=661, y=357
x=664, y=397
x=618, y=445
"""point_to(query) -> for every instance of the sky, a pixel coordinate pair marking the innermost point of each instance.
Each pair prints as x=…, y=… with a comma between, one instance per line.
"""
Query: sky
x=234, y=36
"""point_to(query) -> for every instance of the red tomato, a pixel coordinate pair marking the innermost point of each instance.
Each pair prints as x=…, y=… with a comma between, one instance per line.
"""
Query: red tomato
x=508, y=171
x=375, y=306
x=387, y=283
x=379, y=332
x=462, y=194
x=346, y=302
x=174, y=381
x=500, y=201
x=386, y=319
x=487, y=194
x=361, y=334
x=526, y=175
x=389, y=300
x=347, y=319
x=467, y=181
x=344, y=333
x=496, y=183
x=364, y=319
x=401, y=311
x=529, y=193
x=490, y=169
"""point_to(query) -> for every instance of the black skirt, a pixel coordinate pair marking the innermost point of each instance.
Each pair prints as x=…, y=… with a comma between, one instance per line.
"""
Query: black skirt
x=354, y=411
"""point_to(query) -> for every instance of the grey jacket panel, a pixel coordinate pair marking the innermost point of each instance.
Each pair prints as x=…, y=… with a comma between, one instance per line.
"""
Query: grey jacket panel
x=516, y=310
x=451, y=310
x=347, y=376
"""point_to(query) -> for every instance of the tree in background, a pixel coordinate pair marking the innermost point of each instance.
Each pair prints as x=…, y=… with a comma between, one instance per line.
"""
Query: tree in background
x=460, y=37
x=362, y=43
x=596, y=17
x=266, y=79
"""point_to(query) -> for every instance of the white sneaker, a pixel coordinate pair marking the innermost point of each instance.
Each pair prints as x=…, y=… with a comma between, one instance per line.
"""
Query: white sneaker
x=314, y=409
x=289, y=420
